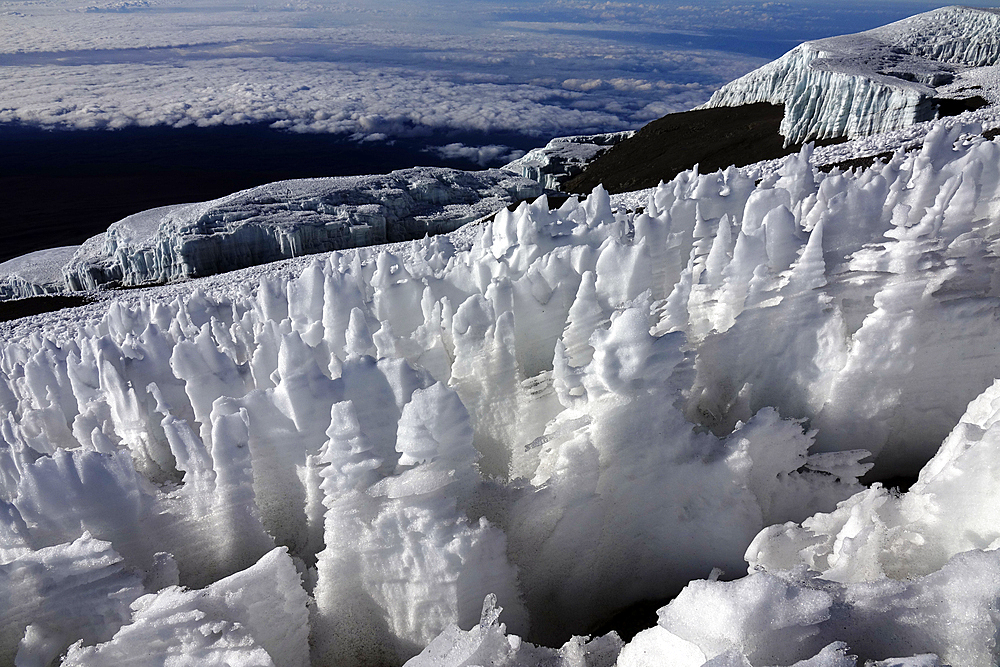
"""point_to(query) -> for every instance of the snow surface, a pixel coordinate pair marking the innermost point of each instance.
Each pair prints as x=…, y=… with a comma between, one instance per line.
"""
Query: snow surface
x=878, y=80
x=266, y=223
x=336, y=460
x=471, y=449
x=34, y=274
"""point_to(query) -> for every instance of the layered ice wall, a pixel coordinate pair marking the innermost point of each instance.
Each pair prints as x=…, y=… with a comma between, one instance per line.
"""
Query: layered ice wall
x=821, y=101
x=571, y=410
x=564, y=157
x=35, y=274
x=281, y=220
x=874, y=81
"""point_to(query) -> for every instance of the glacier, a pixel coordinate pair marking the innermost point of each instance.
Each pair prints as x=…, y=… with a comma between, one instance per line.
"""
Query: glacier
x=564, y=157
x=35, y=274
x=336, y=459
x=878, y=80
x=267, y=223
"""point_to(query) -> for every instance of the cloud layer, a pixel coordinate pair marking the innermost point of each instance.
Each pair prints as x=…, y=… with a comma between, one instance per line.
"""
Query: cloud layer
x=377, y=74
x=387, y=70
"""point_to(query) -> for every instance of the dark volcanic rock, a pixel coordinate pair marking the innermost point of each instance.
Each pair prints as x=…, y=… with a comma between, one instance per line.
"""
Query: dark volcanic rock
x=35, y=305
x=712, y=138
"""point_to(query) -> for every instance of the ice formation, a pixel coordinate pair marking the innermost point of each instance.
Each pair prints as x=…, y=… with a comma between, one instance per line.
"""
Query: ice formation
x=564, y=157
x=875, y=81
x=336, y=460
x=34, y=274
x=267, y=223
x=883, y=575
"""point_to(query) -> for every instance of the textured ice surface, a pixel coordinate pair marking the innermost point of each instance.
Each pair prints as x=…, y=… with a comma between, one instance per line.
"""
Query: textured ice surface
x=271, y=222
x=571, y=409
x=256, y=617
x=874, y=81
x=798, y=617
x=34, y=274
x=488, y=643
x=564, y=157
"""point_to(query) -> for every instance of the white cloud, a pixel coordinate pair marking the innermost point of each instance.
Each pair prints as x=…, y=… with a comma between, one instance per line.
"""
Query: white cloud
x=482, y=155
x=378, y=72
x=584, y=85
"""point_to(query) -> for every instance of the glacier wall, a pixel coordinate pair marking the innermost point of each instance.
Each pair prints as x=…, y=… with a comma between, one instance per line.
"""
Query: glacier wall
x=289, y=219
x=822, y=103
x=875, y=81
x=35, y=274
x=564, y=157
x=336, y=461
x=17, y=287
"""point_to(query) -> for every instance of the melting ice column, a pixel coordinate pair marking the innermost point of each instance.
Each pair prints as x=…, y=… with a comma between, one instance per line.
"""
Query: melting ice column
x=402, y=561
x=933, y=323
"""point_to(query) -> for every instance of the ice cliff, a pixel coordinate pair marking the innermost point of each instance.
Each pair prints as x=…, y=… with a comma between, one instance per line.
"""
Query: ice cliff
x=878, y=80
x=267, y=223
x=564, y=157
x=35, y=274
x=335, y=461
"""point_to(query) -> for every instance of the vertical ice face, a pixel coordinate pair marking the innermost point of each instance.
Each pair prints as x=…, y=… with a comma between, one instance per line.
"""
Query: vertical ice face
x=874, y=81
x=824, y=101
x=572, y=409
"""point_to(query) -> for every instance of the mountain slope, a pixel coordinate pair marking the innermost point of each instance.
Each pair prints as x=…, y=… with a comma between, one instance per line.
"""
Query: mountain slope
x=360, y=457
x=710, y=138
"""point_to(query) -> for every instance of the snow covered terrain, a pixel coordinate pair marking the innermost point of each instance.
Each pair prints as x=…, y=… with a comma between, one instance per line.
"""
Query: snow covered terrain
x=879, y=80
x=477, y=447
x=267, y=223
x=570, y=410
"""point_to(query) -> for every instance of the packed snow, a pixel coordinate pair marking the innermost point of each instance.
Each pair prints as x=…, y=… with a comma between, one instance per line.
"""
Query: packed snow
x=360, y=458
x=878, y=80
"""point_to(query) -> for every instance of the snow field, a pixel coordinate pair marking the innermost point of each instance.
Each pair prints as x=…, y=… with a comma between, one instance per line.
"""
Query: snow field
x=265, y=224
x=584, y=409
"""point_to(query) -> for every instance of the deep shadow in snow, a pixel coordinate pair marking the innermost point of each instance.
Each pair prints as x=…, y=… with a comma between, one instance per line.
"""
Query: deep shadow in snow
x=36, y=305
